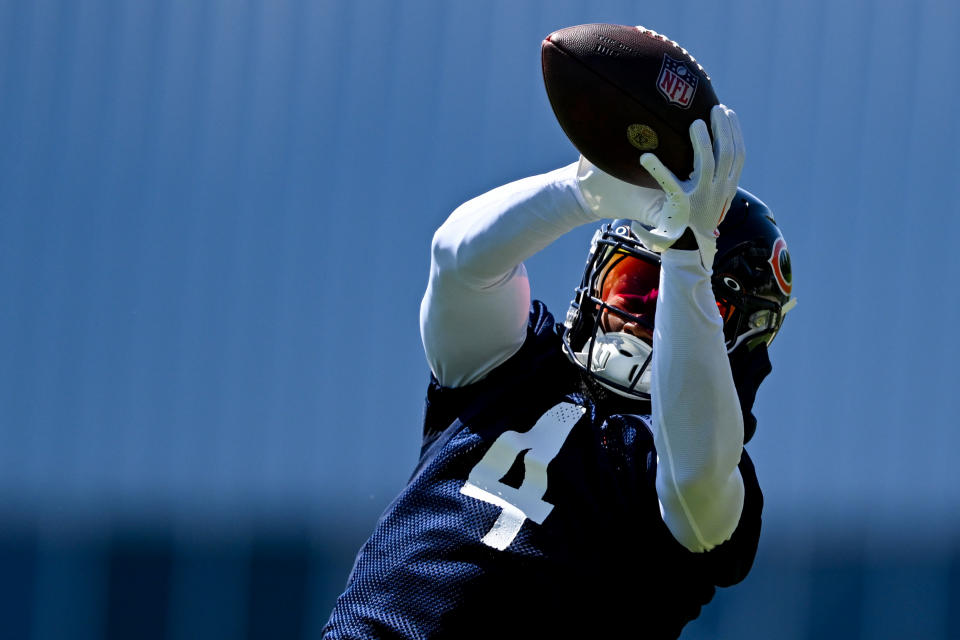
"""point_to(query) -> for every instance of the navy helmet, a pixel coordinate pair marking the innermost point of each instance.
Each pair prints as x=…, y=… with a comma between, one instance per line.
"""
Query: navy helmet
x=752, y=282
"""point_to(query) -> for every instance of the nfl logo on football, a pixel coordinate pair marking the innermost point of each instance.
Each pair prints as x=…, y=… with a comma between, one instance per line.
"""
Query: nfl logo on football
x=676, y=82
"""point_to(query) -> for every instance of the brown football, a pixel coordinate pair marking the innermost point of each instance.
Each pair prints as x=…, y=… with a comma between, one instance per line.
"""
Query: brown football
x=619, y=92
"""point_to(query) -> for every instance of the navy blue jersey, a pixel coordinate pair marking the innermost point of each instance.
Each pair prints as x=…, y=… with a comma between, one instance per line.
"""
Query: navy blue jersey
x=533, y=513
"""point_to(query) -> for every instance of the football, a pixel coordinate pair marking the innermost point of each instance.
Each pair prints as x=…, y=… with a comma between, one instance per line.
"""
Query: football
x=619, y=92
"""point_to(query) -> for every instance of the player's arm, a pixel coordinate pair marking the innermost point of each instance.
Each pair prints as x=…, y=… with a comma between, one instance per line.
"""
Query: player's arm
x=698, y=425
x=474, y=313
x=696, y=413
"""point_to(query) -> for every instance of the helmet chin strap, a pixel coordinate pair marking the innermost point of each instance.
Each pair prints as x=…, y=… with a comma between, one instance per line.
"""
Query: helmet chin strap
x=620, y=358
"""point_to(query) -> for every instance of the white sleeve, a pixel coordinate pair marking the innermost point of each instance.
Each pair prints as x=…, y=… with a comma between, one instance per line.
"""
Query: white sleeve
x=698, y=425
x=474, y=313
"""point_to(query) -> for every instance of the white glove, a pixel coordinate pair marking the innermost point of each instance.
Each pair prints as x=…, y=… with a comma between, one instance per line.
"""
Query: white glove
x=610, y=197
x=700, y=202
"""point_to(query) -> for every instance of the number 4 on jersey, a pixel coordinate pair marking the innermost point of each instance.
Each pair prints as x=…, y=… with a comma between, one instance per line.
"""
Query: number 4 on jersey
x=541, y=444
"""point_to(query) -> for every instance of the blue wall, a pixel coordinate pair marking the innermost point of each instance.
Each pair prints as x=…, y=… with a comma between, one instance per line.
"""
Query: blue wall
x=214, y=229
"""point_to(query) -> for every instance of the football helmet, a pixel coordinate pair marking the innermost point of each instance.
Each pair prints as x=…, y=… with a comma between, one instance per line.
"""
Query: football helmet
x=752, y=282
x=752, y=276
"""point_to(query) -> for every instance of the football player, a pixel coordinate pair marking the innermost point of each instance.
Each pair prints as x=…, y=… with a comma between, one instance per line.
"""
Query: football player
x=584, y=479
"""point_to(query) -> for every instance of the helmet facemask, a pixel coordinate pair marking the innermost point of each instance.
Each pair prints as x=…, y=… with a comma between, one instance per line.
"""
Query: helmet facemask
x=747, y=319
x=618, y=291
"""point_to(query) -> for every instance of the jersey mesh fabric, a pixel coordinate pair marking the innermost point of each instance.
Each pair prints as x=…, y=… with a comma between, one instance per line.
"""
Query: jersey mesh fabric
x=601, y=562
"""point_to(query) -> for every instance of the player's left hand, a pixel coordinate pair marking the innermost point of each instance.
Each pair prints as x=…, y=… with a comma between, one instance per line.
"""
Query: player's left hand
x=701, y=201
x=609, y=197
